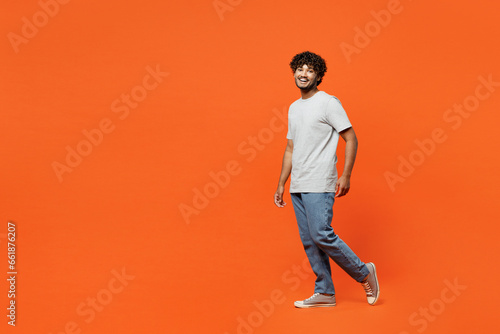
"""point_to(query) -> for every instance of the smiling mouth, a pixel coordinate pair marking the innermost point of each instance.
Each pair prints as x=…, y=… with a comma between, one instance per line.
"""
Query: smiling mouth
x=303, y=80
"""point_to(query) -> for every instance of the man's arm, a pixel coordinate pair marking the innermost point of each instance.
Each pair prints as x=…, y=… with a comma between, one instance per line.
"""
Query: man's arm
x=351, y=147
x=286, y=168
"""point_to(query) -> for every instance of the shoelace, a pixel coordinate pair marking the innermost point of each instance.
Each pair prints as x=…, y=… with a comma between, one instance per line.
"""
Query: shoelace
x=368, y=288
x=314, y=295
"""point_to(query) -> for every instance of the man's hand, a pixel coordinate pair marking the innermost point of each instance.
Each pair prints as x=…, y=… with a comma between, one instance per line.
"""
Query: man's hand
x=342, y=186
x=278, y=197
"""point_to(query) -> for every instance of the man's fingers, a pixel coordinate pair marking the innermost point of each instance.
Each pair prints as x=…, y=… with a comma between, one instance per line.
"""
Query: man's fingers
x=277, y=199
x=341, y=191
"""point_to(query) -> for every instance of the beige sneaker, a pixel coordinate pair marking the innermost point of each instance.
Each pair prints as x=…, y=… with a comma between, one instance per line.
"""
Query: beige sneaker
x=316, y=300
x=370, y=284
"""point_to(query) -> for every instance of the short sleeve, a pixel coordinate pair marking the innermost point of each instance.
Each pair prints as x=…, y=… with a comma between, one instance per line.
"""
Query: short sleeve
x=336, y=115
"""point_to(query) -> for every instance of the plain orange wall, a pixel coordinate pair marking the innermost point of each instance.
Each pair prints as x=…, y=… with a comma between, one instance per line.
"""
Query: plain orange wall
x=424, y=196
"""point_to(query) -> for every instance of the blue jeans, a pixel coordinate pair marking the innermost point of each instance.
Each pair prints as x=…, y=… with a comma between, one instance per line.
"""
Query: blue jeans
x=314, y=212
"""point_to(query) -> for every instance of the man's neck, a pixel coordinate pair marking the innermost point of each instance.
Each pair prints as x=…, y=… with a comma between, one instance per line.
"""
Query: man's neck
x=306, y=94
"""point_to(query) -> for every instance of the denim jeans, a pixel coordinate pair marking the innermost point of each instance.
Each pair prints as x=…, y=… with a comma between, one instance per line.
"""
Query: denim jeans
x=314, y=212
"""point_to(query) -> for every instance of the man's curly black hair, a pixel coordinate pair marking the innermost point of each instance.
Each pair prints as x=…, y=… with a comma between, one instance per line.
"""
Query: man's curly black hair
x=311, y=60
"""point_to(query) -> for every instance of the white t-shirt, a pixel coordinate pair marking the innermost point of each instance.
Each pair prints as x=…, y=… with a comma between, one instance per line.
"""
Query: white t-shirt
x=314, y=125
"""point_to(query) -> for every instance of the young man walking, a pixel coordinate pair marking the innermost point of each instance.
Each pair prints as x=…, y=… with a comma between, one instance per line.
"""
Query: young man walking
x=315, y=123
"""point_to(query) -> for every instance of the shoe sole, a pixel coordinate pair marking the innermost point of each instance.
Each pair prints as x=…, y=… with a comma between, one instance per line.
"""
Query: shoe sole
x=376, y=281
x=314, y=305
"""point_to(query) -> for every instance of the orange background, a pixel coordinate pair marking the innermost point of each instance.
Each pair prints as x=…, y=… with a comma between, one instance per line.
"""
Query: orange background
x=120, y=206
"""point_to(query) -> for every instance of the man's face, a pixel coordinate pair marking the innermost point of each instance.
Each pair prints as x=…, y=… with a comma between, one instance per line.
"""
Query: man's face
x=306, y=78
